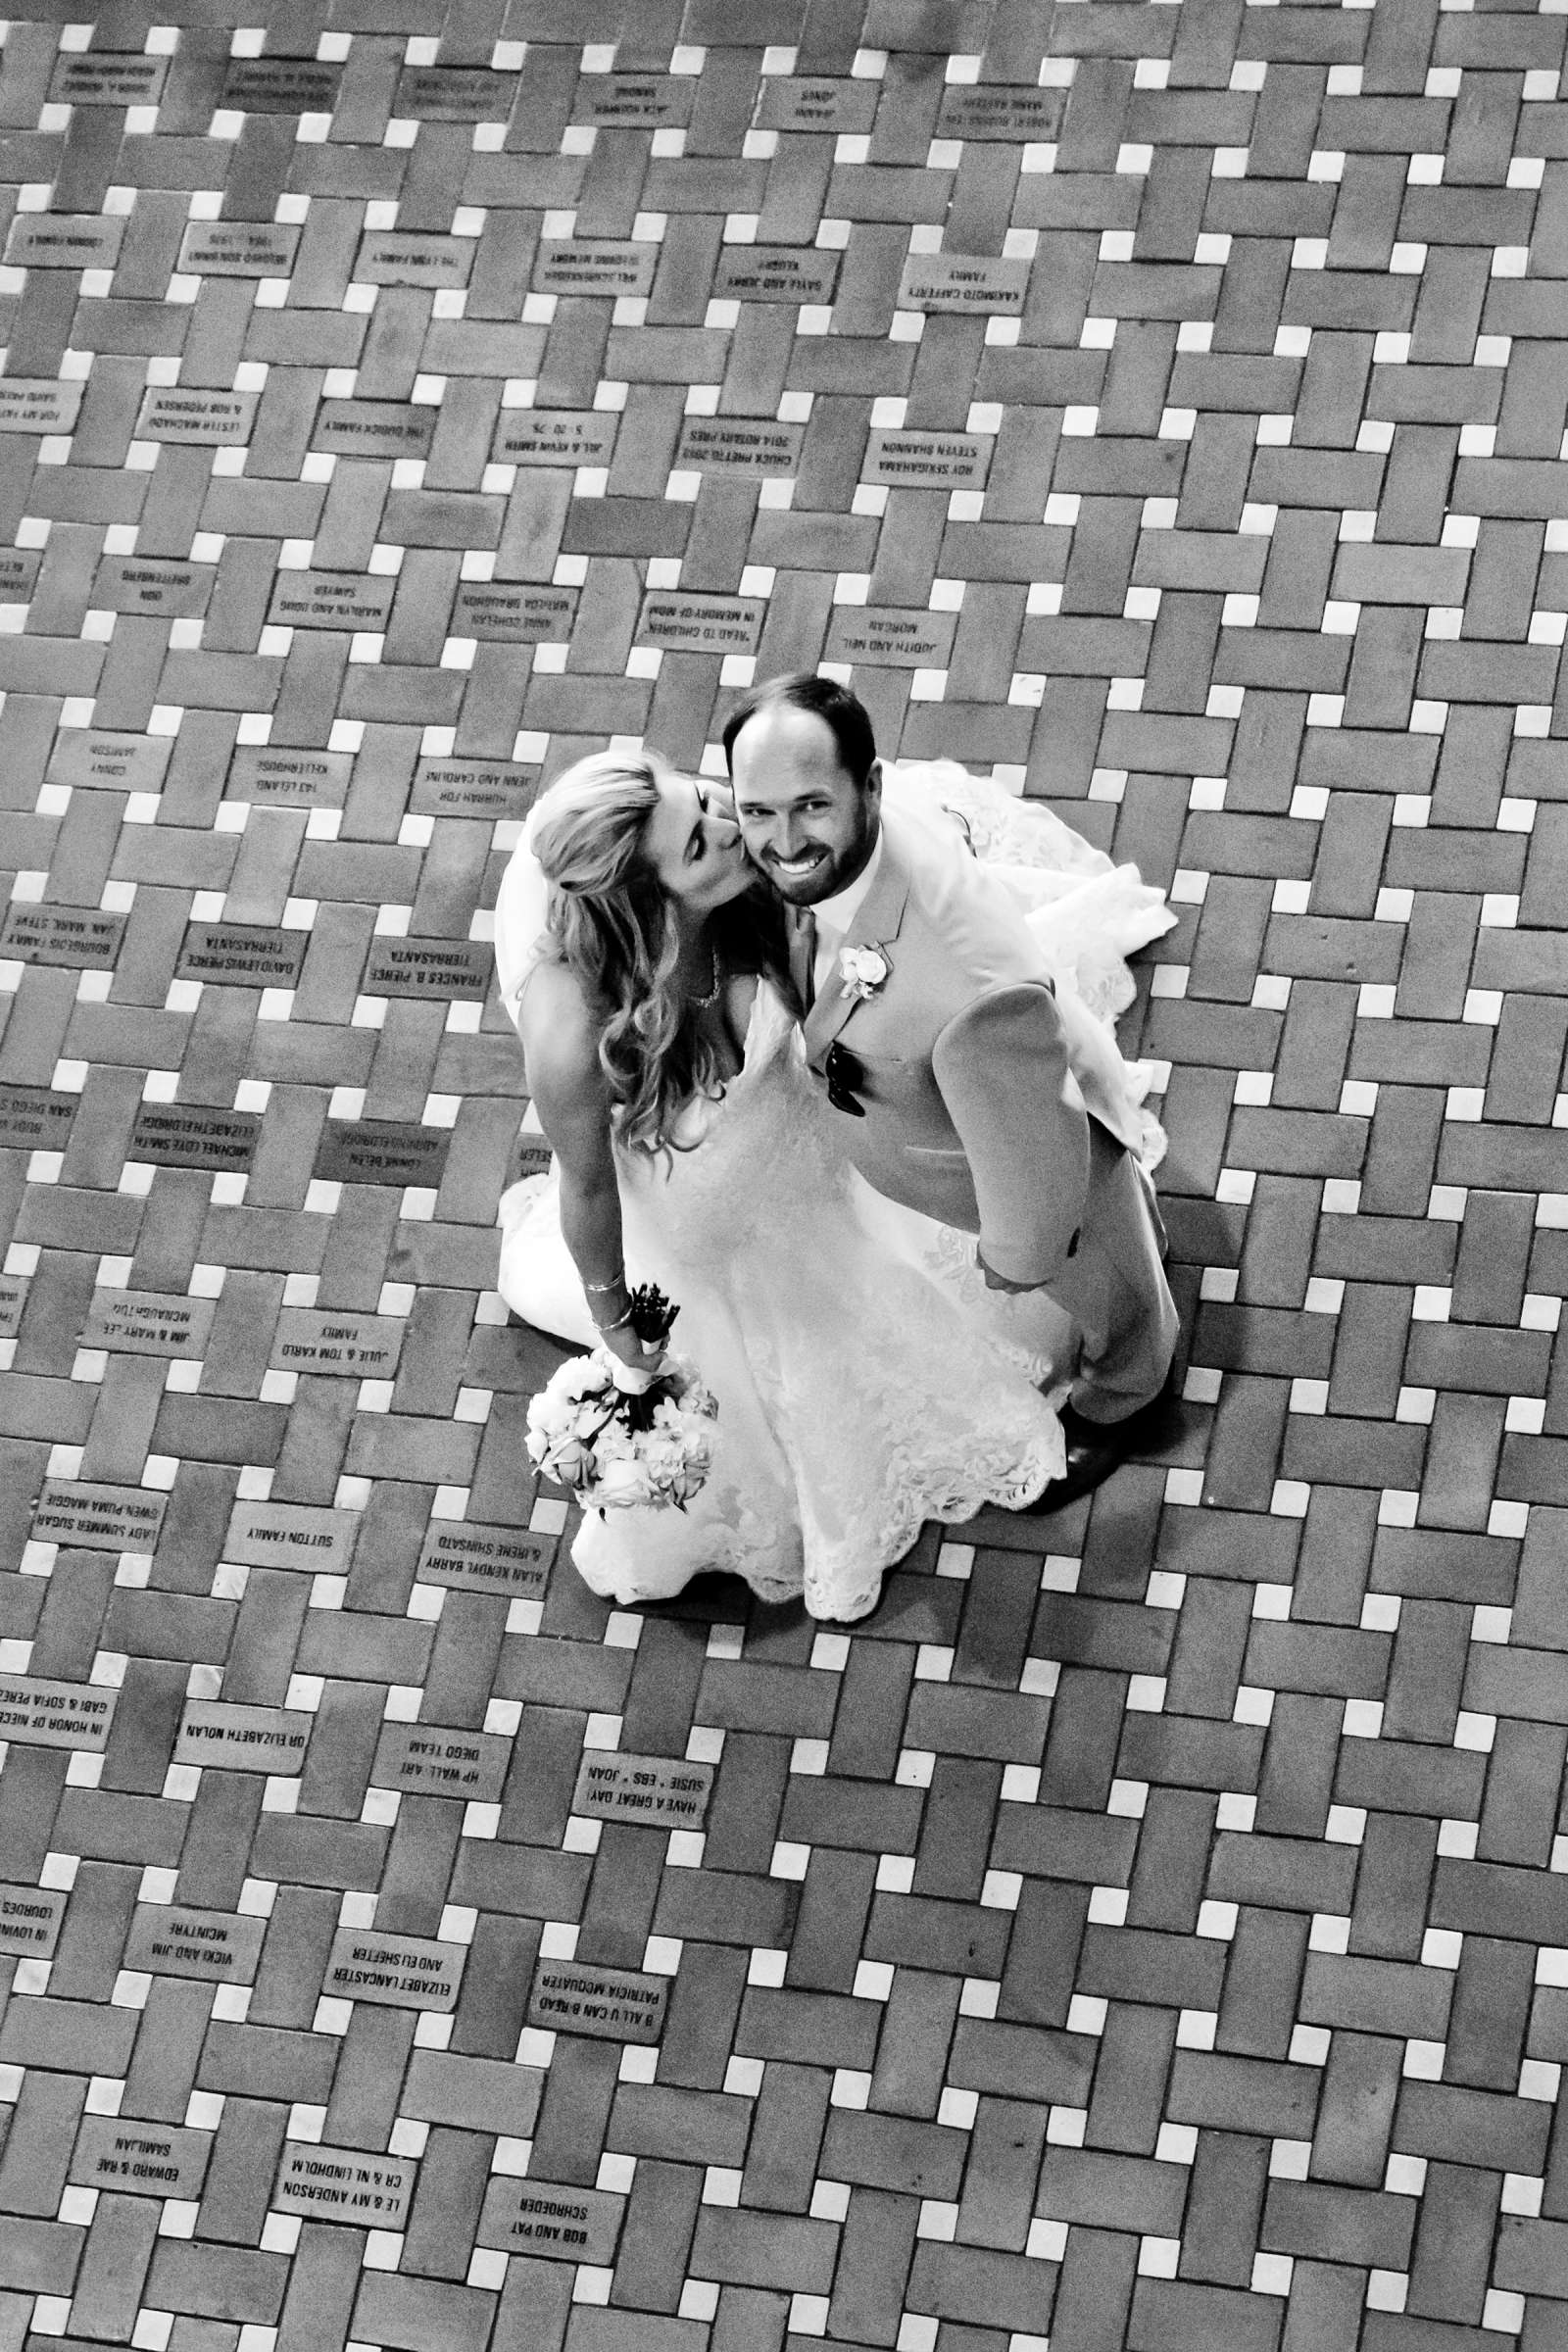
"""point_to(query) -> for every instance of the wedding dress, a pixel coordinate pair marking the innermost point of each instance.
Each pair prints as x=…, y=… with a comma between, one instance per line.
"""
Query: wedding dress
x=867, y=1380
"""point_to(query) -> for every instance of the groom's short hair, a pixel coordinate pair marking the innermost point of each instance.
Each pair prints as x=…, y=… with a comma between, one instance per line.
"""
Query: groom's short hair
x=838, y=710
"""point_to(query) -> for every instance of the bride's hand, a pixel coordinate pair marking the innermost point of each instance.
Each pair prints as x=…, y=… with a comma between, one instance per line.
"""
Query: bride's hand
x=628, y=1350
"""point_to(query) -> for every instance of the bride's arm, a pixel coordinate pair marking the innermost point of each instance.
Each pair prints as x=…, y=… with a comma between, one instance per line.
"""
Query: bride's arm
x=559, y=1041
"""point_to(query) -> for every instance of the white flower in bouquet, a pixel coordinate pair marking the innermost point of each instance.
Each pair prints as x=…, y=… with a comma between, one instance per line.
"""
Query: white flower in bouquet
x=570, y=1461
x=583, y=1377
x=621, y=1483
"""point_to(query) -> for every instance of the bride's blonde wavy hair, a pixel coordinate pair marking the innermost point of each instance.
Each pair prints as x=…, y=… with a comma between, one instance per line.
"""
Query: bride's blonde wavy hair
x=612, y=925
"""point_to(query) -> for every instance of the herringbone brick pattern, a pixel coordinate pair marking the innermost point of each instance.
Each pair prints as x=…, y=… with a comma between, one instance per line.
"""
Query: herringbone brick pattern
x=1158, y=1940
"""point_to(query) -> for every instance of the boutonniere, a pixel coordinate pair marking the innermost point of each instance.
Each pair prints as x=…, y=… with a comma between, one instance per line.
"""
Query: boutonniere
x=863, y=972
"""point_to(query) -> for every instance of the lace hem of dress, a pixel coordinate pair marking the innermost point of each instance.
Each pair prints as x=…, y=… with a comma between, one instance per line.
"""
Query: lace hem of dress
x=727, y=1551
x=1022, y=1482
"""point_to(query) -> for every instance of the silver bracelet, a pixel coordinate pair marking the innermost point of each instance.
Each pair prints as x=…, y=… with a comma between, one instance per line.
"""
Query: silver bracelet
x=616, y=1282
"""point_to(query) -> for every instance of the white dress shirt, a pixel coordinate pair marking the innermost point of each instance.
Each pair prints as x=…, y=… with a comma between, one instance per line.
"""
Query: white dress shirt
x=835, y=916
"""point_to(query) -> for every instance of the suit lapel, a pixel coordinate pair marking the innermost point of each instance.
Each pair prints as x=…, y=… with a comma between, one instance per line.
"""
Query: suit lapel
x=881, y=913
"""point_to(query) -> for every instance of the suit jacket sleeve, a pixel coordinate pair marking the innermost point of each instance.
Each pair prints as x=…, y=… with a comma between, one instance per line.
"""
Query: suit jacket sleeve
x=1003, y=1069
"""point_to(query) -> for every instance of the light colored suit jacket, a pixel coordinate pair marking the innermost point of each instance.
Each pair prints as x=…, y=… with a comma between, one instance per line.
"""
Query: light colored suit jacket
x=977, y=1080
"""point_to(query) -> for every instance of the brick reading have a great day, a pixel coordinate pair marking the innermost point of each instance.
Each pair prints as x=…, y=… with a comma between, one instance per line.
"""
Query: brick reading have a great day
x=651, y=1789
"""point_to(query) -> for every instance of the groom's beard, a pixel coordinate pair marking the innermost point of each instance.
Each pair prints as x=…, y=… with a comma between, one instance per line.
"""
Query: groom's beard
x=834, y=874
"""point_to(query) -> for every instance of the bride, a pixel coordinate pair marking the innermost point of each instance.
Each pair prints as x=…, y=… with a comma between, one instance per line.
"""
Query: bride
x=867, y=1380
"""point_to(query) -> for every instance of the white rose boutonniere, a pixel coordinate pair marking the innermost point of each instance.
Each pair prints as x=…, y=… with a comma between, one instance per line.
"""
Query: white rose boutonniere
x=863, y=972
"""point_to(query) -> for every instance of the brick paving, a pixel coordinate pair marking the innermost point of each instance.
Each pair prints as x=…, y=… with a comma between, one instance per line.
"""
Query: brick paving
x=1151, y=1929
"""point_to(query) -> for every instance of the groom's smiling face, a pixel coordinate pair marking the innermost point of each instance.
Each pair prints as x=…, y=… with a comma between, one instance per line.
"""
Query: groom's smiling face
x=807, y=824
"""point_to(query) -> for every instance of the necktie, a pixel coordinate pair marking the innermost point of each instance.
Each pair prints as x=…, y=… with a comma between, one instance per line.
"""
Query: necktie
x=802, y=959
x=829, y=939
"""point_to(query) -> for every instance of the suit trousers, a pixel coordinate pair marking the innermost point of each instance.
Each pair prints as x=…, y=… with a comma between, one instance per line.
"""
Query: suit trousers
x=1114, y=1287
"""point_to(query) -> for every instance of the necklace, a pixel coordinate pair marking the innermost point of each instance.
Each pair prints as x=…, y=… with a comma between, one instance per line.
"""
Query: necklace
x=701, y=1004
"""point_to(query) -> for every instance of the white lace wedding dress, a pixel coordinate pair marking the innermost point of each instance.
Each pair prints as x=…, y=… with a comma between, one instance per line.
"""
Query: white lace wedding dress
x=867, y=1380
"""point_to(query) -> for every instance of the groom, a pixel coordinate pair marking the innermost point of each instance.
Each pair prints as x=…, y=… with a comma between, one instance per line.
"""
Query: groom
x=969, y=1090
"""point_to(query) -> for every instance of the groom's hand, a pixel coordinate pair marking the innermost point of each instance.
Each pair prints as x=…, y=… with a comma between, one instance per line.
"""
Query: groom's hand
x=1000, y=1281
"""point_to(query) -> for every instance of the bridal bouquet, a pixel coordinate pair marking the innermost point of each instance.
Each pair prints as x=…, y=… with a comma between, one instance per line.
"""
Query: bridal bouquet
x=612, y=1450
